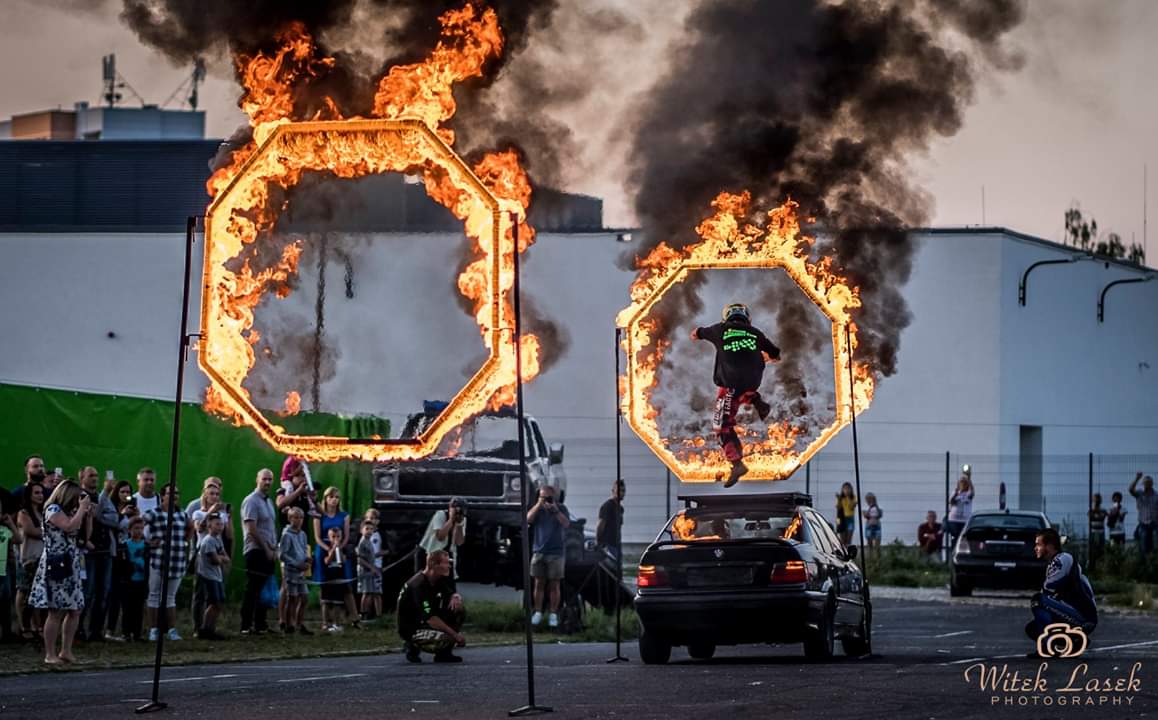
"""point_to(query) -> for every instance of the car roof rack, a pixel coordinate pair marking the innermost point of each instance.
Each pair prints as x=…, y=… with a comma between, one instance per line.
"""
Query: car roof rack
x=774, y=500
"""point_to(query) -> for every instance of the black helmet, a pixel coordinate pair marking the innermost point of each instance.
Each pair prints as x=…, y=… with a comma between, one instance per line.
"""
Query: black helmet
x=736, y=311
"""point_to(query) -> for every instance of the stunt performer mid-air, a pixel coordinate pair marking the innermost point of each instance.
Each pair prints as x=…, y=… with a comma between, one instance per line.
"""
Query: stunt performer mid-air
x=740, y=350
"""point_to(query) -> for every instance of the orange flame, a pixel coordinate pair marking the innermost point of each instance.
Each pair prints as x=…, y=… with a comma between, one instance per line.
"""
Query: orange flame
x=728, y=241
x=412, y=102
x=293, y=403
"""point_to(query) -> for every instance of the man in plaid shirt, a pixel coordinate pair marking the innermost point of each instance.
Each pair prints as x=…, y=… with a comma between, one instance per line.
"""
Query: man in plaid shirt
x=181, y=532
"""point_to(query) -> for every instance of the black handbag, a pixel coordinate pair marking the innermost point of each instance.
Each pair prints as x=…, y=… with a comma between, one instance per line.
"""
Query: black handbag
x=58, y=566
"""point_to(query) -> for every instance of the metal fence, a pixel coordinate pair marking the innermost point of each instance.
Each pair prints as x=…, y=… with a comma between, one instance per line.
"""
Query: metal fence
x=906, y=485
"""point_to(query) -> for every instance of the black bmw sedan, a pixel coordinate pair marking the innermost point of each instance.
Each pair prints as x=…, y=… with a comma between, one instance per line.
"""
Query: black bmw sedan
x=996, y=551
x=757, y=568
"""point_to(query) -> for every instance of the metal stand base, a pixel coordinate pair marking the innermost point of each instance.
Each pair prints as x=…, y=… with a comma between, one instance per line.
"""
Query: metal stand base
x=618, y=658
x=152, y=706
x=530, y=710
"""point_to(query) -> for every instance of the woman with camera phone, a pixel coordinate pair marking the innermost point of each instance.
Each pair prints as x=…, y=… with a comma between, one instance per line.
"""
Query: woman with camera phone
x=57, y=587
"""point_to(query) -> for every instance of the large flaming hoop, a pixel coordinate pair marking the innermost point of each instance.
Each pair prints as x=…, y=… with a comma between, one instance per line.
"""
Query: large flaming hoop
x=406, y=135
x=360, y=147
x=730, y=243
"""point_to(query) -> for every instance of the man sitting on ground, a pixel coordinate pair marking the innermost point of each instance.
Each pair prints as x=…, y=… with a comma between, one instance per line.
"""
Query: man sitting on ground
x=1066, y=595
x=929, y=535
x=430, y=615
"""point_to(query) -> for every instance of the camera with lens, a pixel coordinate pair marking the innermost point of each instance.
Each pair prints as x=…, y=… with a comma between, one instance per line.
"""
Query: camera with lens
x=459, y=506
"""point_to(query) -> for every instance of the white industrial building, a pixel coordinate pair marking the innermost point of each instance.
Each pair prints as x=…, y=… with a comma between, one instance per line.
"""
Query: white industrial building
x=1022, y=393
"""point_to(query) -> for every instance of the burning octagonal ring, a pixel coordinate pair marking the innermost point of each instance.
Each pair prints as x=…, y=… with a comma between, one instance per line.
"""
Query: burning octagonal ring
x=727, y=246
x=369, y=146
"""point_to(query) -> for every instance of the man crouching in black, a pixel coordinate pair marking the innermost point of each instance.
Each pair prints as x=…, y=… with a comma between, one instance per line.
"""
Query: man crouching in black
x=430, y=612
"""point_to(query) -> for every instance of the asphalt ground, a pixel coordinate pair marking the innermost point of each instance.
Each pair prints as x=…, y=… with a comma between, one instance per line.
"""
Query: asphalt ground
x=923, y=651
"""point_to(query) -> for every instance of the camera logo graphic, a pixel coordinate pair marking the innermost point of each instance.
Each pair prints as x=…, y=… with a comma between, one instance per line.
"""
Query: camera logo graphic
x=1061, y=640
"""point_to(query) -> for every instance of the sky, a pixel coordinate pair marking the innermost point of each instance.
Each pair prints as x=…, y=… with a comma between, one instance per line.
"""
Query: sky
x=1076, y=124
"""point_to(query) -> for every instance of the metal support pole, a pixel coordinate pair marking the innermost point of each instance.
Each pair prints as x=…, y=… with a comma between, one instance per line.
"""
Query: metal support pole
x=167, y=548
x=1102, y=297
x=619, y=526
x=808, y=478
x=945, y=521
x=1023, y=286
x=1089, y=516
x=855, y=447
x=530, y=708
x=668, y=498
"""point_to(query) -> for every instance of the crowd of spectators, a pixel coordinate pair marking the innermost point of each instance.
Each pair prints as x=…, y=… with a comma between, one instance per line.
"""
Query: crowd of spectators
x=82, y=560
x=933, y=536
x=85, y=561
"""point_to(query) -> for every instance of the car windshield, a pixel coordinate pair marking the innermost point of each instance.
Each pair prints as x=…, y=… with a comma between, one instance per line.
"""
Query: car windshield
x=1009, y=522
x=705, y=525
x=486, y=436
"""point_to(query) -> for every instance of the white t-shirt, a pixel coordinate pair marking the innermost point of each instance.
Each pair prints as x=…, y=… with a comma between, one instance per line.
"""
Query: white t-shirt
x=430, y=541
x=376, y=542
x=144, y=505
x=962, y=509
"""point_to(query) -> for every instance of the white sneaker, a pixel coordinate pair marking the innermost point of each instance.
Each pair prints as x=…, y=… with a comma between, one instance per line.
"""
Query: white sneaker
x=113, y=637
x=536, y=618
x=553, y=620
x=334, y=629
x=152, y=634
x=172, y=634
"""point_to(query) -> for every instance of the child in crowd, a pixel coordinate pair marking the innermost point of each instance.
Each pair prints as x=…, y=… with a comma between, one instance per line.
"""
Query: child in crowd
x=136, y=587
x=1116, y=520
x=10, y=536
x=379, y=552
x=369, y=574
x=333, y=582
x=211, y=564
x=295, y=565
x=872, y=524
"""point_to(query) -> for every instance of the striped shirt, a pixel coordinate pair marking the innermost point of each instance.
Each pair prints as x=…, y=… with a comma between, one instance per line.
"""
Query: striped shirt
x=156, y=521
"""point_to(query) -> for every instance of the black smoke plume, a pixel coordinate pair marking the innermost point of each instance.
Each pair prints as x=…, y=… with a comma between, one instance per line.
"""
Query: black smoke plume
x=821, y=102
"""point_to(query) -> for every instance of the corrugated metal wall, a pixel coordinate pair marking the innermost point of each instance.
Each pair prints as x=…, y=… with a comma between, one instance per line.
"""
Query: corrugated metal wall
x=95, y=186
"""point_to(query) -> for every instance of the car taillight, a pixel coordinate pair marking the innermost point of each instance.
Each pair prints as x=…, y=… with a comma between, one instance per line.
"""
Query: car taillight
x=793, y=571
x=963, y=547
x=651, y=576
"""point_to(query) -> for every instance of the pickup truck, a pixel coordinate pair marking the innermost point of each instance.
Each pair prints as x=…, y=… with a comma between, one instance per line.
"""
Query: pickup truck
x=479, y=462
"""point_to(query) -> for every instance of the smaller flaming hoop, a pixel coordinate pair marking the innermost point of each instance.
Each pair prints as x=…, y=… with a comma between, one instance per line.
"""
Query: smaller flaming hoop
x=729, y=243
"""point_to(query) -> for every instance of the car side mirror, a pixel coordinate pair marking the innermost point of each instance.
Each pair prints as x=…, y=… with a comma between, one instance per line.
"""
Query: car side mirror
x=851, y=550
x=555, y=457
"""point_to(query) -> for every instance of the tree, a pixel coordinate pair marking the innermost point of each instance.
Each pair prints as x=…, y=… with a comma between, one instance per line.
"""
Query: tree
x=1083, y=234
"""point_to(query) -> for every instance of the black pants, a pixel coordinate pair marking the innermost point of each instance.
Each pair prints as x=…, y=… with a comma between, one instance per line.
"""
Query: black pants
x=7, y=594
x=258, y=568
x=427, y=639
x=97, y=587
x=133, y=594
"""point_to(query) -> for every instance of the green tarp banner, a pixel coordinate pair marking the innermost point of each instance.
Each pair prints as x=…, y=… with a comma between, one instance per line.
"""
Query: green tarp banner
x=73, y=429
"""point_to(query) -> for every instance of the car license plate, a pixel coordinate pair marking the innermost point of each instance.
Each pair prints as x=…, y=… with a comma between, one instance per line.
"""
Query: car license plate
x=1005, y=565
x=713, y=576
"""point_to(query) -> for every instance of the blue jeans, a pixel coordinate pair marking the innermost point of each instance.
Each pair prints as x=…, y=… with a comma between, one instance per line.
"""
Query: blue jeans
x=1047, y=610
x=98, y=581
x=1146, y=535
